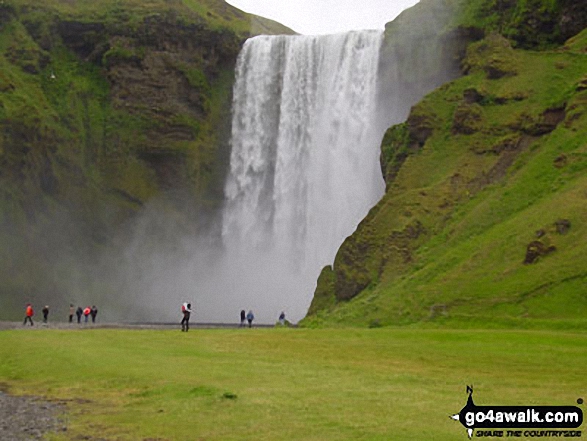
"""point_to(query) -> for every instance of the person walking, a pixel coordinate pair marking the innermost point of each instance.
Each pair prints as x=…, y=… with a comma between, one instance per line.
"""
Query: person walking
x=94, y=313
x=243, y=318
x=45, y=313
x=79, y=312
x=87, y=311
x=250, y=318
x=282, y=318
x=71, y=312
x=29, y=313
x=186, y=309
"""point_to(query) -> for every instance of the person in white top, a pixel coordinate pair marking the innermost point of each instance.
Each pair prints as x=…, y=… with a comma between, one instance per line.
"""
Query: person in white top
x=186, y=309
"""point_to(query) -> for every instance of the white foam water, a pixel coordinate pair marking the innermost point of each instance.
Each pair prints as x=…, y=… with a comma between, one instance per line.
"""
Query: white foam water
x=304, y=165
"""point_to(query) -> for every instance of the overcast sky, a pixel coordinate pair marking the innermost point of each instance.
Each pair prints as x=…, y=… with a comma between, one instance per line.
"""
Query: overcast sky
x=326, y=16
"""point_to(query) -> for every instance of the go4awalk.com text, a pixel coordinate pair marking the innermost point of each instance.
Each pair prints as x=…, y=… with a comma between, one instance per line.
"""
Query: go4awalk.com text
x=520, y=421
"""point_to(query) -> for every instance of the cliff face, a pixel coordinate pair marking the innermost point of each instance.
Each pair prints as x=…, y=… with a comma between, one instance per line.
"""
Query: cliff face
x=483, y=217
x=106, y=108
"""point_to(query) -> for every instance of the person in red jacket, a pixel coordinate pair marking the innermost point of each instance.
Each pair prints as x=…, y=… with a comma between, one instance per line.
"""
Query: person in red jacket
x=29, y=314
x=87, y=312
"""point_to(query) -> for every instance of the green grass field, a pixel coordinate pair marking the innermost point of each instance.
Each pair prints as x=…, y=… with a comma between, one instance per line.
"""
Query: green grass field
x=288, y=384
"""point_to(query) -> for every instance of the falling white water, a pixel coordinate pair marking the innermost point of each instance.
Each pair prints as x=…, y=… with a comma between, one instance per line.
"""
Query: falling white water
x=304, y=167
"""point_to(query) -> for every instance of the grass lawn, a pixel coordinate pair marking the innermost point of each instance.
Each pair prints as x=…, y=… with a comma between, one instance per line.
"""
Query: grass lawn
x=288, y=384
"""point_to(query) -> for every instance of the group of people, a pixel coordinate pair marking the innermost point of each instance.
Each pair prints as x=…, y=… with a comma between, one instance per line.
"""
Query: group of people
x=87, y=312
x=92, y=311
x=249, y=317
x=30, y=312
x=186, y=311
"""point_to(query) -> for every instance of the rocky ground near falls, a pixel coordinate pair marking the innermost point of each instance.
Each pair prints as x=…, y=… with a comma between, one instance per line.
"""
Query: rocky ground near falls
x=29, y=418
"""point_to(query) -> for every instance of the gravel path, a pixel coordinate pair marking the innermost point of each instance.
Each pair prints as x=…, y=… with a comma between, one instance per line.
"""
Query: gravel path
x=39, y=325
x=28, y=418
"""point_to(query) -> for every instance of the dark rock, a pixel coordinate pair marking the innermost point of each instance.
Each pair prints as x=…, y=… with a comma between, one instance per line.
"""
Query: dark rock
x=541, y=125
x=81, y=37
x=535, y=250
x=560, y=161
x=549, y=121
x=420, y=126
x=509, y=143
x=467, y=119
x=6, y=13
x=562, y=226
x=472, y=95
x=513, y=97
x=30, y=69
x=573, y=18
x=497, y=70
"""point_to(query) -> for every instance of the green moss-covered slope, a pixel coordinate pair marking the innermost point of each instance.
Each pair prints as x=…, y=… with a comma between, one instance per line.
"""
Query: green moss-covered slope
x=106, y=107
x=484, y=217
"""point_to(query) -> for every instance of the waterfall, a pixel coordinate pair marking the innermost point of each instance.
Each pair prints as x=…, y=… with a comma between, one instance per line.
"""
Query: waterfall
x=304, y=165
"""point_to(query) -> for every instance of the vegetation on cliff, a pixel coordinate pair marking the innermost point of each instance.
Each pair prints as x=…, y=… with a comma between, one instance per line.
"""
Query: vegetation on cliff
x=107, y=107
x=483, y=218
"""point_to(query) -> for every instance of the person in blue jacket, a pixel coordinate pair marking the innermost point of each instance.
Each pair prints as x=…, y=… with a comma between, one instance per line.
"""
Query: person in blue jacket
x=250, y=318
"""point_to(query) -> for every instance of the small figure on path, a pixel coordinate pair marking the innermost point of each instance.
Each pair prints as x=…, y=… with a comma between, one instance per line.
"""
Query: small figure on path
x=87, y=312
x=186, y=309
x=29, y=312
x=243, y=318
x=45, y=313
x=250, y=317
x=71, y=312
x=79, y=312
x=94, y=313
x=282, y=318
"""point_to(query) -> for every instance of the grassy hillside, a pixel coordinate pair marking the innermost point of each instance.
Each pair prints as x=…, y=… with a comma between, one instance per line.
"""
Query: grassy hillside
x=484, y=215
x=106, y=108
